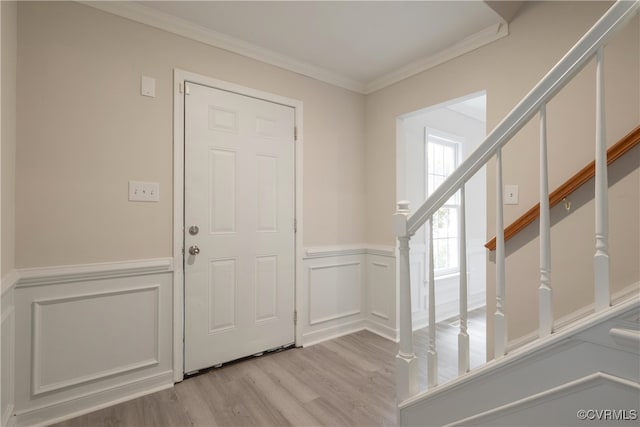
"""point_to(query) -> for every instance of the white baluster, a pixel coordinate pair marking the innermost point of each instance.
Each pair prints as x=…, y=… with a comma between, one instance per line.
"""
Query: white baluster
x=432, y=354
x=463, y=336
x=601, y=257
x=406, y=362
x=545, y=320
x=499, y=318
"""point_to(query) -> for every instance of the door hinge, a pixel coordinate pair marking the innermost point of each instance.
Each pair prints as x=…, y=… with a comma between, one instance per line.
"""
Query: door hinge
x=295, y=225
x=180, y=87
x=185, y=89
x=295, y=133
x=295, y=317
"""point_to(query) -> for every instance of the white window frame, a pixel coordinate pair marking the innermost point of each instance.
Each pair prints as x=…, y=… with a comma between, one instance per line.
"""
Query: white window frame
x=455, y=141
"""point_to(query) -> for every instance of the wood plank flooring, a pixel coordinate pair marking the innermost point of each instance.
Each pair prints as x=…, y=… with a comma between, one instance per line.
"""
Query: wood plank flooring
x=348, y=381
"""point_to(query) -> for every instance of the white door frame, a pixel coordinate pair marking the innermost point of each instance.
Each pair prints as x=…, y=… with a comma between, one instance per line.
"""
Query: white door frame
x=179, y=77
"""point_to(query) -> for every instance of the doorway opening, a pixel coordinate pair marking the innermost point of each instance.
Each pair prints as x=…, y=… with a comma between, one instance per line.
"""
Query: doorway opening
x=431, y=143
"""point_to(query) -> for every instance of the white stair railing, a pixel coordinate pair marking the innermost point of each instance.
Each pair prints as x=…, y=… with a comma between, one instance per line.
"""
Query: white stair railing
x=463, y=335
x=499, y=318
x=544, y=291
x=406, y=225
x=601, y=257
x=406, y=362
x=432, y=354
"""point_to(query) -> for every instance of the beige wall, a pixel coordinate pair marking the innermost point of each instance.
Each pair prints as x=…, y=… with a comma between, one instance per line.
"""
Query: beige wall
x=508, y=69
x=85, y=131
x=9, y=59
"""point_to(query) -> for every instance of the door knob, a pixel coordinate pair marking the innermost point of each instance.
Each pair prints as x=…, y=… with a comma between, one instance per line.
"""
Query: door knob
x=194, y=250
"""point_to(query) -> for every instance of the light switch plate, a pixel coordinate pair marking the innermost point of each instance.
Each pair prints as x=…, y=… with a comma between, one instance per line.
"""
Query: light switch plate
x=510, y=194
x=148, y=86
x=144, y=191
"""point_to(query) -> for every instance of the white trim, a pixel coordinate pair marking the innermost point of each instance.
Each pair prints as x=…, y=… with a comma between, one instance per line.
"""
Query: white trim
x=564, y=321
x=345, y=250
x=8, y=315
x=184, y=28
x=625, y=337
x=568, y=388
x=382, y=330
x=179, y=77
x=381, y=250
x=337, y=331
x=332, y=332
x=154, y=18
x=560, y=75
x=39, y=388
x=178, y=225
x=466, y=45
x=46, y=414
x=526, y=351
x=10, y=281
x=333, y=251
x=106, y=270
x=335, y=316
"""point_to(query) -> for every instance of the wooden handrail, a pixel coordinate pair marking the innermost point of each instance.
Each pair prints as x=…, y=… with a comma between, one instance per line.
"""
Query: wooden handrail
x=576, y=181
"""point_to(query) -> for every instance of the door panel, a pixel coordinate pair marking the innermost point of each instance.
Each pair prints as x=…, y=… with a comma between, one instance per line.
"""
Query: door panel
x=239, y=192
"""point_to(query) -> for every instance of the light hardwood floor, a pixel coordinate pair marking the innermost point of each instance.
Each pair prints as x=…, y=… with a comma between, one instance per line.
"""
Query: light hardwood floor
x=348, y=381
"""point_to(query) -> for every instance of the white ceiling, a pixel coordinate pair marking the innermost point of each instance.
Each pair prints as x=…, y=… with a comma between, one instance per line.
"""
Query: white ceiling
x=360, y=45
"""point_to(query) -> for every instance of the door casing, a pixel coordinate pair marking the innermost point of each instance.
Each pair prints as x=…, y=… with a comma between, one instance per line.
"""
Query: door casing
x=179, y=77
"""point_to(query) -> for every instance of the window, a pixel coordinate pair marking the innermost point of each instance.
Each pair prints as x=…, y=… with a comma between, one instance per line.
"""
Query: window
x=442, y=156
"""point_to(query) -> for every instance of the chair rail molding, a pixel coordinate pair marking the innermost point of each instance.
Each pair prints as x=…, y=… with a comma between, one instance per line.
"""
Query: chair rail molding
x=73, y=273
x=10, y=281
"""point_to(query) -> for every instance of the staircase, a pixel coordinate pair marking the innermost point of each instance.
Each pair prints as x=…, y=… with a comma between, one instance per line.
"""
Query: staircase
x=588, y=371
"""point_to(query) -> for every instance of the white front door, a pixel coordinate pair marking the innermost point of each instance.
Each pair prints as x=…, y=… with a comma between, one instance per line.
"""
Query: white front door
x=239, y=226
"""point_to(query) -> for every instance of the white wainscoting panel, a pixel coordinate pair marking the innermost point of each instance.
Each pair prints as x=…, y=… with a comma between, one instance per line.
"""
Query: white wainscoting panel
x=382, y=293
x=84, y=341
x=347, y=289
x=7, y=394
x=334, y=291
x=56, y=331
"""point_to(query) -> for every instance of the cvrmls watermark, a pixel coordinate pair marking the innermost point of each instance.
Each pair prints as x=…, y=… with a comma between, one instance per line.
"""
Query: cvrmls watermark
x=608, y=414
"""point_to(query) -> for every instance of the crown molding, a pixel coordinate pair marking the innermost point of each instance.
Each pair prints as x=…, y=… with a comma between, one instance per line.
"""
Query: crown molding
x=466, y=45
x=157, y=19
x=142, y=14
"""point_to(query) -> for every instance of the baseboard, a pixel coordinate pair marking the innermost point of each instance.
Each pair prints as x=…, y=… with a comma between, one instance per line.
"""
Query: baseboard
x=321, y=335
x=382, y=330
x=564, y=321
x=65, y=410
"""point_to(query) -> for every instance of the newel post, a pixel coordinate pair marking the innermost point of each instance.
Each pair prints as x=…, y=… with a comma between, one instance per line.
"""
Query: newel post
x=406, y=362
